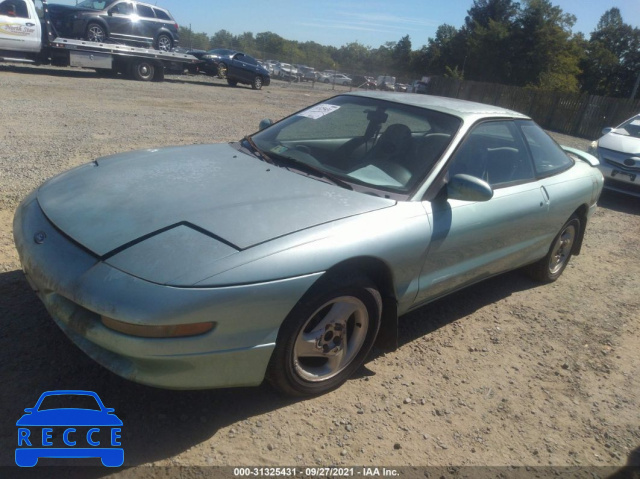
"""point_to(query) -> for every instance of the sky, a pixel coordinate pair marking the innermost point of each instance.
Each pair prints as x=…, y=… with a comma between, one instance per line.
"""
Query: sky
x=369, y=22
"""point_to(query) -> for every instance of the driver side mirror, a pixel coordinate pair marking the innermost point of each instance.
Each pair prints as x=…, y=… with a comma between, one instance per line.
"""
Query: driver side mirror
x=266, y=123
x=468, y=188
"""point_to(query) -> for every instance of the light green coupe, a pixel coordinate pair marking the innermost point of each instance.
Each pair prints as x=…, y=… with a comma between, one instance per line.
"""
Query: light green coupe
x=286, y=255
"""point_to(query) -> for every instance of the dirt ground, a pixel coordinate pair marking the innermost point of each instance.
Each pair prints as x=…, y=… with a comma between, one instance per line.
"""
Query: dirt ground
x=507, y=372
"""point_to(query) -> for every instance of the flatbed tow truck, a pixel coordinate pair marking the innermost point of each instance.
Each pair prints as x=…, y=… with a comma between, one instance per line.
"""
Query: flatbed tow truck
x=29, y=38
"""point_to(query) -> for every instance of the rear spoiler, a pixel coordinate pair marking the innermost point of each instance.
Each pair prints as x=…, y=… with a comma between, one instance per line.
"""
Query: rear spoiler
x=583, y=155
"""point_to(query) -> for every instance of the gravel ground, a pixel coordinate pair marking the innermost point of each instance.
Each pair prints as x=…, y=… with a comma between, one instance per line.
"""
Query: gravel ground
x=507, y=372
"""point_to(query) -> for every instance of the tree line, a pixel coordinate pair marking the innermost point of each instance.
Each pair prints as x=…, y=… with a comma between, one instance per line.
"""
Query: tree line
x=528, y=44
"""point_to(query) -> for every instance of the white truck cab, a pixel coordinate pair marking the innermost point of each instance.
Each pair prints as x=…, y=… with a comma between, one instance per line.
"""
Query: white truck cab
x=20, y=28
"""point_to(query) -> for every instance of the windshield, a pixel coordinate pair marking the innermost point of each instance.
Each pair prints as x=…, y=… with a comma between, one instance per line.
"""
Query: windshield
x=95, y=4
x=69, y=401
x=630, y=127
x=363, y=141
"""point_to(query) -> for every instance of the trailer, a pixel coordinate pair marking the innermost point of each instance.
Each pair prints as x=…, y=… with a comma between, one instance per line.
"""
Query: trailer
x=26, y=36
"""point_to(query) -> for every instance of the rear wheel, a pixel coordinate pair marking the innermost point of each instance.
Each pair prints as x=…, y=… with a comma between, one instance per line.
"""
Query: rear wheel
x=96, y=33
x=164, y=42
x=256, y=84
x=326, y=337
x=549, y=268
x=142, y=70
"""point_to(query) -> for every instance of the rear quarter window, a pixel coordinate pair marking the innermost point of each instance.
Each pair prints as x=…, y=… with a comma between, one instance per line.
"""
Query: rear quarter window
x=548, y=158
x=145, y=11
x=162, y=15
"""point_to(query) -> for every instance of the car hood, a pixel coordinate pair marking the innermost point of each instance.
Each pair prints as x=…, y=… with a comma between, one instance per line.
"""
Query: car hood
x=621, y=143
x=120, y=201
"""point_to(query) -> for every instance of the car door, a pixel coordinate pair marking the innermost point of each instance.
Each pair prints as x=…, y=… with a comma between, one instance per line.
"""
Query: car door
x=146, y=26
x=472, y=240
x=20, y=29
x=239, y=68
x=120, y=19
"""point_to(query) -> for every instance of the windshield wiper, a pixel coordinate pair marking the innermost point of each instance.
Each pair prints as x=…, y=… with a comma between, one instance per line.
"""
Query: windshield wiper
x=307, y=168
x=256, y=151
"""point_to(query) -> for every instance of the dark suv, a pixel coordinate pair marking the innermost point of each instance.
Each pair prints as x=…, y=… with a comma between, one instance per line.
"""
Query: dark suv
x=119, y=20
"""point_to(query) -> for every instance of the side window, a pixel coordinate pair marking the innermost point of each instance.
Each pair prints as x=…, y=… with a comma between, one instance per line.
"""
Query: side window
x=145, y=11
x=494, y=151
x=548, y=157
x=124, y=8
x=161, y=14
x=249, y=60
x=14, y=8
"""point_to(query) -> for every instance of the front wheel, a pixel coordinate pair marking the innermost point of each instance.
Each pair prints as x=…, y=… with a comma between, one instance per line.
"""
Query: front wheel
x=256, y=84
x=326, y=337
x=222, y=71
x=96, y=33
x=549, y=268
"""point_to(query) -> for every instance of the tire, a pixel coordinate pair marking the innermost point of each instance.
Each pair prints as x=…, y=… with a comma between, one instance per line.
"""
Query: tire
x=326, y=80
x=164, y=43
x=232, y=82
x=96, y=33
x=326, y=337
x=256, y=84
x=222, y=71
x=549, y=268
x=142, y=70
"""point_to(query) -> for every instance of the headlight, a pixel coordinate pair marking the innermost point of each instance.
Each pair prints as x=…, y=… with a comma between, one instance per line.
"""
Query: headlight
x=169, y=331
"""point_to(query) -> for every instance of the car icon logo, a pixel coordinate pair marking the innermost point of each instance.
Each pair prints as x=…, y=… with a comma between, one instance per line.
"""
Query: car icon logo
x=69, y=424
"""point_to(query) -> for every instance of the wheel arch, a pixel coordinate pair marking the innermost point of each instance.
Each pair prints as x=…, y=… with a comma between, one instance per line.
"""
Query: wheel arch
x=381, y=275
x=100, y=22
x=581, y=213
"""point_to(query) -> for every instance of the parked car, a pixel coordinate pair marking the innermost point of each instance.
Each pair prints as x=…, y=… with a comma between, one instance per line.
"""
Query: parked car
x=619, y=154
x=306, y=73
x=285, y=71
x=338, y=79
x=401, y=87
x=287, y=254
x=417, y=86
x=365, y=82
x=123, y=21
x=235, y=67
x=386, y=83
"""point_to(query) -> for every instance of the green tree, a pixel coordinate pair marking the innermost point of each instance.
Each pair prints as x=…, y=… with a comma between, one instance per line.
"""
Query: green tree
x=545, y=53
x=222, y=39
x=612, y=62
x=488, y=32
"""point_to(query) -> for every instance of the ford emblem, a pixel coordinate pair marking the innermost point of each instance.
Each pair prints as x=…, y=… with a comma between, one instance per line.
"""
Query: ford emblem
x=39, y=237
x=629, y=162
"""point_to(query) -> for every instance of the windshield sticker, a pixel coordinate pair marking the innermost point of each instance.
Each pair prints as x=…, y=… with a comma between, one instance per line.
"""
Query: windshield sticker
x=319, y=111
x=278, y=150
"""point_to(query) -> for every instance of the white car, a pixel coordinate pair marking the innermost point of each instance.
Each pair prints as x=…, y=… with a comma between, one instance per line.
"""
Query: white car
x=284, y=70
x=619, y=154
x=338, y=79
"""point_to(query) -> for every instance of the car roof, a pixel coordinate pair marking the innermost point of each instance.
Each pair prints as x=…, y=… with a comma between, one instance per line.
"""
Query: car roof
x=461, y=108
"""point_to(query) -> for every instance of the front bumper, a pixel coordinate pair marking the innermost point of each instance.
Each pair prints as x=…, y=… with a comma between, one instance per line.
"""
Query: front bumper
x=618, y=176
x=77, y=288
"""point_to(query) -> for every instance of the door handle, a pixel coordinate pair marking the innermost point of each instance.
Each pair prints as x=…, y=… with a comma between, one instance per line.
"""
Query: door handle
x=31, y=24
